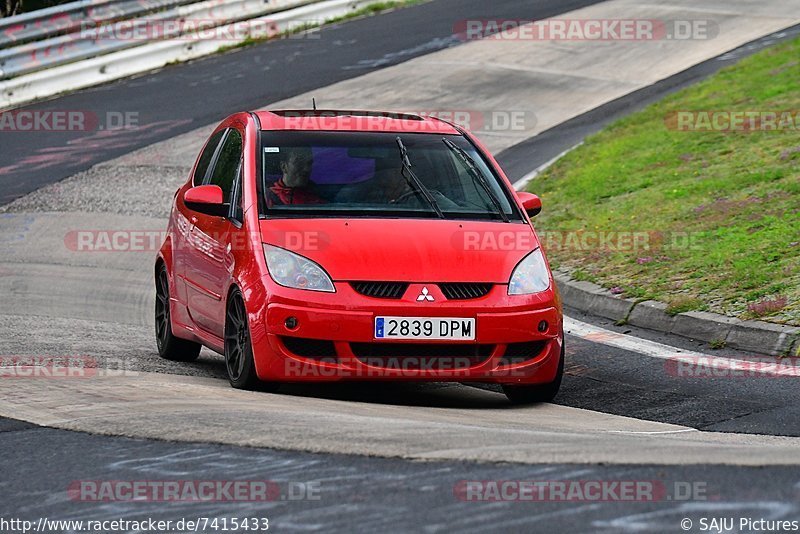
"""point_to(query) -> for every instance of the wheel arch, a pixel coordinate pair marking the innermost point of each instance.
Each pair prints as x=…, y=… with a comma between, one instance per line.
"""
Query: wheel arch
x=231, y=288
x=254, y=319
x=160, y=263
x=164, y=256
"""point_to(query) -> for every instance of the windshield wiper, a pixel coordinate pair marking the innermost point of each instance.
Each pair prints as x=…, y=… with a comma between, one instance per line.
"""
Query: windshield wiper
x=476, y=175
x=414, y=181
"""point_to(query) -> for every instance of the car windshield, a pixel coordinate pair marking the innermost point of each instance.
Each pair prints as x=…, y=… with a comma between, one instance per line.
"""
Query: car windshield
x=379, y=174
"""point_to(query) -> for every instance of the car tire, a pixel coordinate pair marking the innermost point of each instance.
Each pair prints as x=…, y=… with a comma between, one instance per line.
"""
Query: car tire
x=170, y=347
x=536, y=393
x=239, y=360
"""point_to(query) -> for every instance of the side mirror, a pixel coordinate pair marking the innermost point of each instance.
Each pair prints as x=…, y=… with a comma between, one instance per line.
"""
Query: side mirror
x=531, y=203
x=206, y=199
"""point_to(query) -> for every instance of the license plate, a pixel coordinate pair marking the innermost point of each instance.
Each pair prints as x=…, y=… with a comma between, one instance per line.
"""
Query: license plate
x=424, y=328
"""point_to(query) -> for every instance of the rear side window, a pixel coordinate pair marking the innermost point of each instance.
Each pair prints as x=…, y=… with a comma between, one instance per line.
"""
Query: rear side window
x=205, y=158
x=237, y=212
x=227, y=167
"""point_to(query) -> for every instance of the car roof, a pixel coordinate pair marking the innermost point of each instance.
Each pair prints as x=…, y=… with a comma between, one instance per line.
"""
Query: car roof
x=353, y=121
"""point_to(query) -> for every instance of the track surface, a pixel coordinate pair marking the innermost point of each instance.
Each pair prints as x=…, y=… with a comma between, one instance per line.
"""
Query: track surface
x=358, y=494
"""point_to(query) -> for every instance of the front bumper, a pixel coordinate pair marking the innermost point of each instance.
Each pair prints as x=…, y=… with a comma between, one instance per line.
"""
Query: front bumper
x=334, y=338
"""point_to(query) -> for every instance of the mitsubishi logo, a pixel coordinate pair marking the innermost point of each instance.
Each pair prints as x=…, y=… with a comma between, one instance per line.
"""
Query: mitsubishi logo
x=425, y=296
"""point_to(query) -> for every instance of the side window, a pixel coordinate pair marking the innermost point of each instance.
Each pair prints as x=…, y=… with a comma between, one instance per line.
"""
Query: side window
x=227, y=167
x=237, y=211
x=205, y=158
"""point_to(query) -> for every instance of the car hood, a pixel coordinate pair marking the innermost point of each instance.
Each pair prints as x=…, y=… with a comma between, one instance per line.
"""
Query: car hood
x=405, y=250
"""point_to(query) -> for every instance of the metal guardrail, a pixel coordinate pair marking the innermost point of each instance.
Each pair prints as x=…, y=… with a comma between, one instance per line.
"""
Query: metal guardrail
x=93, y=41
x=41, y=16
x=151, y=55
x=66, y=18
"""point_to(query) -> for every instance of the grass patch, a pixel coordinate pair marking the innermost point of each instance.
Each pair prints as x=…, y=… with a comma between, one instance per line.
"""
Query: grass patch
x=720, y=209
x=718, y=344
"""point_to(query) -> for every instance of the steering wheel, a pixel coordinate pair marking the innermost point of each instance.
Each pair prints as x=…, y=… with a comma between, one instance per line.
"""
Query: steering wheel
x=404, y=196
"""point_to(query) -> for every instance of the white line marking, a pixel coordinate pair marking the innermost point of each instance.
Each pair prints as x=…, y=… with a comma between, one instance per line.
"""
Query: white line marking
x=650, y=433
x=522, y=182
x=696, y=364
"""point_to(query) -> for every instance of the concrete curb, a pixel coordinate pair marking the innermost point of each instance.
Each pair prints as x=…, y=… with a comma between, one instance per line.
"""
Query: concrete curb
x=754, y=336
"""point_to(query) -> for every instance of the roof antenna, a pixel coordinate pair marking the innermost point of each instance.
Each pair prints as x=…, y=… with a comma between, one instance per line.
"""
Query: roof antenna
x=314, y=103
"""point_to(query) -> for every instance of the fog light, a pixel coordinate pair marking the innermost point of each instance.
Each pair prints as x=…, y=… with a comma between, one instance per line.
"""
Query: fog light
x=543, y=326
x=291, y=323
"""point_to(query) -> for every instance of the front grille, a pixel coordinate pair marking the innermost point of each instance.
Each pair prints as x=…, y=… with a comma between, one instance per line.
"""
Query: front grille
x=421, y=356
x=465, y=291
x=381, y=290
x=313, y=349
x=517, y=353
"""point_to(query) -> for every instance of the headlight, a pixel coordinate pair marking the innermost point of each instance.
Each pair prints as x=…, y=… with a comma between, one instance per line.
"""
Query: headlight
x=292, y=270
x=530, y=275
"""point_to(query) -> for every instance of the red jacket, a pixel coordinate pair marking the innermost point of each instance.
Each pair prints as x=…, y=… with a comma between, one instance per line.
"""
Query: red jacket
x=287, y=196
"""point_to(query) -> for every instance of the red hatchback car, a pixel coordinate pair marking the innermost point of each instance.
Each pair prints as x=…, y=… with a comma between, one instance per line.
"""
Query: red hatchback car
x=333, y=245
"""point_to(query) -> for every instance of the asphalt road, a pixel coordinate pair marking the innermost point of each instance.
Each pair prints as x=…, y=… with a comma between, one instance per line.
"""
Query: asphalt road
x=343, y=493
x=621, y=382
x=180, y=98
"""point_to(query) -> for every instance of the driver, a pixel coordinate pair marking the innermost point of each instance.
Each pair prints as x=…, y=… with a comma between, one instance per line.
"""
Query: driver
x=396, y=187
x=293, y=186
